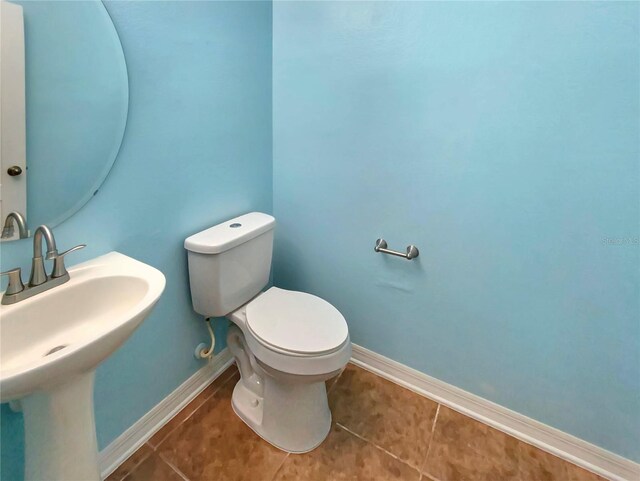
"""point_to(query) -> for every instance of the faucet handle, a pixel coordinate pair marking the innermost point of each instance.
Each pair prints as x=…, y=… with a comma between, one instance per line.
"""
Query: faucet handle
x=15, y=281
x=59, y=269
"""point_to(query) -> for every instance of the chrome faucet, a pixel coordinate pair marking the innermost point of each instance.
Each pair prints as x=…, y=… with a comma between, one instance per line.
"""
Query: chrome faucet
x=38, y=280
x=8, y=229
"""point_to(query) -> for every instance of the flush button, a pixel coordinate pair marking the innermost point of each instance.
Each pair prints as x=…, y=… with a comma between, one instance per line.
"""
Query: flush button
x=235, y=225
x=254, y=403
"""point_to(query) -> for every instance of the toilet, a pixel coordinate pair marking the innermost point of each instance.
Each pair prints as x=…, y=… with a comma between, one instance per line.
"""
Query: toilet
x=286, y=343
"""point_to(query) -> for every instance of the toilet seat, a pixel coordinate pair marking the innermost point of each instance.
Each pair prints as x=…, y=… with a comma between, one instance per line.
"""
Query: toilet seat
x=296, y=322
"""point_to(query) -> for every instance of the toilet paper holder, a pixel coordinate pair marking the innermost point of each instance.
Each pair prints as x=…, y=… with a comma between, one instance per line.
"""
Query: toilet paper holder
x=412, y=251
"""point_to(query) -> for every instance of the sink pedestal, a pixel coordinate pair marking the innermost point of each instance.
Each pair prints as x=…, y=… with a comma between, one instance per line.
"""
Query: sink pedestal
x=60, y=432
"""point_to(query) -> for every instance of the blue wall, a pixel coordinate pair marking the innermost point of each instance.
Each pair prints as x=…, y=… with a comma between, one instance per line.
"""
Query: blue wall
x=196, y=151
x=502, y=138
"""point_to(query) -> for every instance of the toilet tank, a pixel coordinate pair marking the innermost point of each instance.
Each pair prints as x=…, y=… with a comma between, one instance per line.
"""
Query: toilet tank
x=229, y=263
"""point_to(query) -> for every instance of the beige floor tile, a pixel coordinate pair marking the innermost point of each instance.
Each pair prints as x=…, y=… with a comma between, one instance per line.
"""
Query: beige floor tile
x=207, y=441
x=154, y=469
x=463, y=449
x=537, y=465
x=214, y=444
x=574, y=473
x=188, y=410
x=344, y=456
x=384, y=413
x=130, y=464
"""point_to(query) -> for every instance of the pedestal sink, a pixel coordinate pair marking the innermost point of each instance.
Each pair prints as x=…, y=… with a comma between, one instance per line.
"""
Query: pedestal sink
x=50, y=346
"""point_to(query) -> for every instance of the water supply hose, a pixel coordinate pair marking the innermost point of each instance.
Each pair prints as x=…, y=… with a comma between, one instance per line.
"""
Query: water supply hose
x=204, y=352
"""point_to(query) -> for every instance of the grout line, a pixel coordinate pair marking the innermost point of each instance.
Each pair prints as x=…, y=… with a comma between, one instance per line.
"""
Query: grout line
x=430, y=478
x=433, y=432
x=153, y=450
x=280, y=467
x=135, y=466
x=368, y=441
x=433, y=427
x=223, y=383
x=174, y=468
x=335, y=381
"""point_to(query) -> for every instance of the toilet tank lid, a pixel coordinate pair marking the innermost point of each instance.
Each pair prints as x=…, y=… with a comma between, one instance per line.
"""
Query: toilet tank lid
x=231, y=233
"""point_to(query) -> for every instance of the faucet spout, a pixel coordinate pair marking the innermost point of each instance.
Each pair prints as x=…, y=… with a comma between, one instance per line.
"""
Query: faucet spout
x=38, y=274
x=44, y=231
x=18, y=219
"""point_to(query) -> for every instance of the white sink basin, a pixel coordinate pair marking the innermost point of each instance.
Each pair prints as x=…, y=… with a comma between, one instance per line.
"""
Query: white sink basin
x=91, y=316
x=50, y=345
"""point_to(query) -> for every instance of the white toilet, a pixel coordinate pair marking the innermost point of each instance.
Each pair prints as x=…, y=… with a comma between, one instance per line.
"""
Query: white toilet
x=286, y=343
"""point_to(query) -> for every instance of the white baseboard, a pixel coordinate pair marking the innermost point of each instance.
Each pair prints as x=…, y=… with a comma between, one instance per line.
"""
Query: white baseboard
x=554, y=441
x=128, y=442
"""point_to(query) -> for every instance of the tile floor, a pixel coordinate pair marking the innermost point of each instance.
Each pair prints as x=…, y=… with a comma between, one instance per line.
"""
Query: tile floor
x=381, y=431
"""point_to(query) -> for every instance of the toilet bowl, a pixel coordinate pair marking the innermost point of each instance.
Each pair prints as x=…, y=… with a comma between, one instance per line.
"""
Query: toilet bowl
x=286, y=343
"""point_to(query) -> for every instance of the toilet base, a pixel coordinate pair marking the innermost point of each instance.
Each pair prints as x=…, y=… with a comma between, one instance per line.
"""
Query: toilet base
x=292, y=416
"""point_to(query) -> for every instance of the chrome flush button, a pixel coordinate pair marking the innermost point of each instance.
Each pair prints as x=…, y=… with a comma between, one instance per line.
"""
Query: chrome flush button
x=235, y=225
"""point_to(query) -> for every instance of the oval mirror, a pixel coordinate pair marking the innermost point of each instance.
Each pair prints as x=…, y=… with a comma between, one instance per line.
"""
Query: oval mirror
x=75, y=91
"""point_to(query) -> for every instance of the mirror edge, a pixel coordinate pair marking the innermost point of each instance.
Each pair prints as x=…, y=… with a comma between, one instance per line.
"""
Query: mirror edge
x=108, y=166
